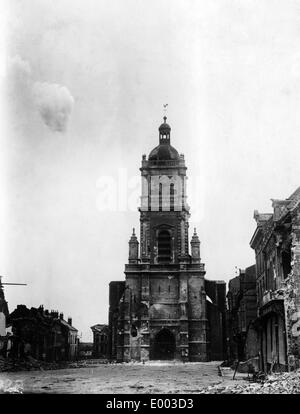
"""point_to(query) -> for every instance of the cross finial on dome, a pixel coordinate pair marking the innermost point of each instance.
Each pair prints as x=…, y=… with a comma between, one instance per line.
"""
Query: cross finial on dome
x=164, y=131
x=133, y=231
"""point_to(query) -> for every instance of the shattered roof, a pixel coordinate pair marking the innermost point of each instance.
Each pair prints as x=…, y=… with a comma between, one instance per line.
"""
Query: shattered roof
x=281, y=208
x=295, y=195
x=262, y=217
x=99, y=327
x=67, y=325
x=294, y=199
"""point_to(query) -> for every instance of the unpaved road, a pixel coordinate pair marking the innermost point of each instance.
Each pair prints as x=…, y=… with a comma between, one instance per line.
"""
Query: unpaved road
x=155, y=377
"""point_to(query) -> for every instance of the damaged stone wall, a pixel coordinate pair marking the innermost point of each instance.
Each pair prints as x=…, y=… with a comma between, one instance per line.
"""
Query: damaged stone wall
x=291, y=287
x=197, y=313
x=276, y=242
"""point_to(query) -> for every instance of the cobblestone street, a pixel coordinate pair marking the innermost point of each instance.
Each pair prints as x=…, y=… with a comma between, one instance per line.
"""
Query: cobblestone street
x=158, y=377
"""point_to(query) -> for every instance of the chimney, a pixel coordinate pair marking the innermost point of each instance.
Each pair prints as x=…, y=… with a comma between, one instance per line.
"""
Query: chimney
x=61, y=316
x=70, y=321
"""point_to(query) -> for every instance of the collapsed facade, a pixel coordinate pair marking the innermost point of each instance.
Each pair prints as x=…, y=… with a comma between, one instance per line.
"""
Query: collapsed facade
x=276, y=242
x=162, y=309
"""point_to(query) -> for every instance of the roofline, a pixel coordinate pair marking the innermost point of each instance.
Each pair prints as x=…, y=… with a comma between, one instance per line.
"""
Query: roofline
x=258, y=228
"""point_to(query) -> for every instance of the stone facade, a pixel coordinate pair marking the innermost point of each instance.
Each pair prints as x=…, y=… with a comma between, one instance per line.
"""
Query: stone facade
x=160, y=311
x=276, y=242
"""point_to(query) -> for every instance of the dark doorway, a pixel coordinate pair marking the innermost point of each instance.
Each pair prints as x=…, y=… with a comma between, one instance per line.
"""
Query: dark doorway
x=164, y=345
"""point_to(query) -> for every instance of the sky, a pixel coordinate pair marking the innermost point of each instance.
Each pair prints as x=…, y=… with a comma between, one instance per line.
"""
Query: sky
x=83, y=84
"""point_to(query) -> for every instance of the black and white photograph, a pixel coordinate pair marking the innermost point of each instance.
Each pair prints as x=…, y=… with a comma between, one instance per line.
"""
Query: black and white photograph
x=150, y=199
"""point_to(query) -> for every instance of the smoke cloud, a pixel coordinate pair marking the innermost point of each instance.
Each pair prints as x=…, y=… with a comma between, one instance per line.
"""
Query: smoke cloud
x=53, y=102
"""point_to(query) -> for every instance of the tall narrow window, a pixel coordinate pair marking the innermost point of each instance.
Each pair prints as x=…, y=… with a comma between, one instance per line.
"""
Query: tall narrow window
x=164, y=246
x=172, y=197
x=286, y=263
x=149, y=195
x=160, y=197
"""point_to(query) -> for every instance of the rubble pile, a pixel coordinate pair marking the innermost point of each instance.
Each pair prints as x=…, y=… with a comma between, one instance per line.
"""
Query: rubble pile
x=28, y=364
x=279, y=383
x=32, y=364
x=86, y=363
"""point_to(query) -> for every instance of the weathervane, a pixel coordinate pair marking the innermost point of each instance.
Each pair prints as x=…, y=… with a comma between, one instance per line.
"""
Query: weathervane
x=165, y=110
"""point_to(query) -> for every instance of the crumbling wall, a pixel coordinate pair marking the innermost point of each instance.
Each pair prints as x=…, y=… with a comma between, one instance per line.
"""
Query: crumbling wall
x=292, y=296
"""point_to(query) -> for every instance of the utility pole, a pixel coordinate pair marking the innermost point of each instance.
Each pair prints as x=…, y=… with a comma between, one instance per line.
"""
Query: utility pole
x=3, y=305
x=14, y=284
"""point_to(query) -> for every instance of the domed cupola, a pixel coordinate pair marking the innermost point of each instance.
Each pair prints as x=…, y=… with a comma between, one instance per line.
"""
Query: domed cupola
x=164, y=132
x=164, y=151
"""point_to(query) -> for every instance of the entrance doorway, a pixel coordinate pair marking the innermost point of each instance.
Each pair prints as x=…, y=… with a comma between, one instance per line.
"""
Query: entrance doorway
x=164, y=345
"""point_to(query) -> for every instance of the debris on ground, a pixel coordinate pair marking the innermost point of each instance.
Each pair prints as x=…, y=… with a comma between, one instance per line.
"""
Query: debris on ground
x=276, y=383
x=31, y=364
x=27, y=364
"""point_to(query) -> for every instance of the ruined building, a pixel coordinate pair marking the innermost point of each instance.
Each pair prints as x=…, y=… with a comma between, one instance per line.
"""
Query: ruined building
x=5, y=341
x=241, y=315
x=276, y=242
x=100, y=340
x=162, y=309
x=42, y=334
x=3, y=311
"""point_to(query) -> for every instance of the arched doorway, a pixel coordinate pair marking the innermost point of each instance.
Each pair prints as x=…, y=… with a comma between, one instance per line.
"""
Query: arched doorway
x=164, y=345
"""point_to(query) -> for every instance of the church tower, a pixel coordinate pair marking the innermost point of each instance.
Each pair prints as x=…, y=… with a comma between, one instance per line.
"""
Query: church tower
x=162, y=312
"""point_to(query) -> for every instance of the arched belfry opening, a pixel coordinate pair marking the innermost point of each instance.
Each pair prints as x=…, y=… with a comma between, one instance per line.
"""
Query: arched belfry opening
x=164, y=345
x=164, y=133
x=164, y=246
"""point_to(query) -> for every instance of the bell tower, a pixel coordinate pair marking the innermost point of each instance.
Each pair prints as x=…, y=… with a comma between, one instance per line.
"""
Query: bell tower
x=164, y=212
x=163, y=309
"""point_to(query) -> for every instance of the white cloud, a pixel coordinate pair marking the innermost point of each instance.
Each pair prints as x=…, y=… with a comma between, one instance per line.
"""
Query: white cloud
x=53, y=102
